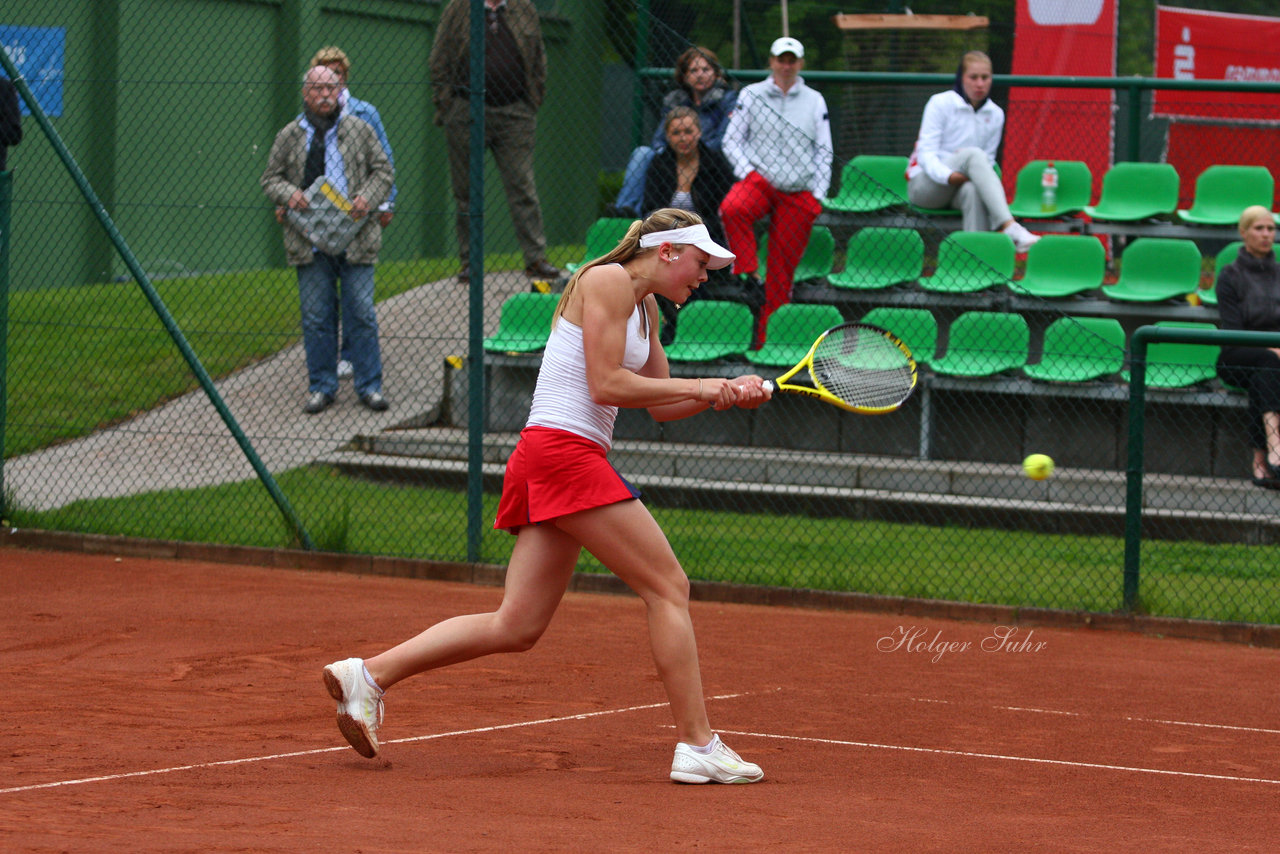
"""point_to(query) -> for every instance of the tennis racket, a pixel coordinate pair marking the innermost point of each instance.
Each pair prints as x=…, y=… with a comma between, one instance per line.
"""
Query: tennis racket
x=855, y=366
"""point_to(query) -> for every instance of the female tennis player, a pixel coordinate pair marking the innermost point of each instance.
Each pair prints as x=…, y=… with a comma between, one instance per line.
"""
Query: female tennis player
x=561, y=495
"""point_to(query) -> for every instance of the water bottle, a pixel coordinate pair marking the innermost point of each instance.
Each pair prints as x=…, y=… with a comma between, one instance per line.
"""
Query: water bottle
x=1049, y=189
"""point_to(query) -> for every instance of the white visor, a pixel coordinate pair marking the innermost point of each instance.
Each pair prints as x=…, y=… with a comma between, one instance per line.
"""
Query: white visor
x=693, y=235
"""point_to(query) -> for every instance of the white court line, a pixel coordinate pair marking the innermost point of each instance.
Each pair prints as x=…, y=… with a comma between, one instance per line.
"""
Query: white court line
x=1261, y=730
x=1037, y=711
x=1003, y=758
x=248, y=760
x=1208, y=726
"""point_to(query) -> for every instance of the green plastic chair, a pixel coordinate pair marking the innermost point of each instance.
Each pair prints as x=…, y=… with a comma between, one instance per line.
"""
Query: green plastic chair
x=971, y=261
x=710, y=330
x=1075, y=189
x=1180, y=365
x=1080, y=349
x=1224, y=257
x=1136, y=191
x=870, y=182
x=602, y=237
x=1062, y=265
x=524, y=324
x=815, y=263
x=1223, y=191
x=984, y=343
x=917, y=328
x=792, y=330
x=878, y=257
x=1154, y=269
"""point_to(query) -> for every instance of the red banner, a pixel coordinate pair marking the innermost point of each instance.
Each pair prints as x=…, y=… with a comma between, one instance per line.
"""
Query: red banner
x=1194, y=45
x=1061, y=38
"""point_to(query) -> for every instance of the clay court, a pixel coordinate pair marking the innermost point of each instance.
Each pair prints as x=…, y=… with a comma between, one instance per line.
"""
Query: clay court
x=160, y=705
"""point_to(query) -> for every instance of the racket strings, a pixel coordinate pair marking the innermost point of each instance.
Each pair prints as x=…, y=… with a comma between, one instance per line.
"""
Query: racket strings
x=864, y=368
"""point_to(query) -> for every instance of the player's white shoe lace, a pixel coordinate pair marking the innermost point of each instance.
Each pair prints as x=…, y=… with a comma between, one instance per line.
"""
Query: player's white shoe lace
x=359, y=704
x=721, y=765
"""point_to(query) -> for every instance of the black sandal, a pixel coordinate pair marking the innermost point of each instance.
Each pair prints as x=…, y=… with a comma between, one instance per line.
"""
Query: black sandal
x=1272, y=480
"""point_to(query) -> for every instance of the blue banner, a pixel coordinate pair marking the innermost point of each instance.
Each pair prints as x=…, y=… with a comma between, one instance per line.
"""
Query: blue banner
x=40, y=55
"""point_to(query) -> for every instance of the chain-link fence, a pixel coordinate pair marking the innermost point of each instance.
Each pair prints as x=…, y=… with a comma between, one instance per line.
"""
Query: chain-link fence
x=192, y=126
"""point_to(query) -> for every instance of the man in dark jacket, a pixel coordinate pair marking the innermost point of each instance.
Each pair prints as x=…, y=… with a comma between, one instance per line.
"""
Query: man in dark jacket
x=515, y=70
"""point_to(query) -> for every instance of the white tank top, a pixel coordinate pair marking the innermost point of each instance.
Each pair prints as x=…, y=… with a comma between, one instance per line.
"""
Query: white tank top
x=561, y=398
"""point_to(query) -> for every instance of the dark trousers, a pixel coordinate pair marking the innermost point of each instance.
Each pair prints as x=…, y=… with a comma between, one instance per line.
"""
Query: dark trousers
x=1257, y=371
x=508, y=134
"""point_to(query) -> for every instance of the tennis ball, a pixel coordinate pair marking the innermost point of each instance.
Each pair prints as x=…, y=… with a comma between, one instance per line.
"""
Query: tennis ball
x=1038, y=466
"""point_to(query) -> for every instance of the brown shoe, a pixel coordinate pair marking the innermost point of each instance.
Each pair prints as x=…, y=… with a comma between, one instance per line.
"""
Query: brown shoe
x=542, y=270
x=464, y=276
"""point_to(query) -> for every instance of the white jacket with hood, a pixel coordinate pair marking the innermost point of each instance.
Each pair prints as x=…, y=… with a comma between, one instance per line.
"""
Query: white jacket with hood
x=951, y=123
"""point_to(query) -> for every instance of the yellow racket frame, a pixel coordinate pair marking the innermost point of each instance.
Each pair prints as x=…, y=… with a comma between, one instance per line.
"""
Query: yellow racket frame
x=821, y=393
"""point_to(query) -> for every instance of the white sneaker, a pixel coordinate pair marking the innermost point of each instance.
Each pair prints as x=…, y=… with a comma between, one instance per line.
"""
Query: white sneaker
x=721, y=765
x=1022, y=239
x=345, y=370
x=359, y=704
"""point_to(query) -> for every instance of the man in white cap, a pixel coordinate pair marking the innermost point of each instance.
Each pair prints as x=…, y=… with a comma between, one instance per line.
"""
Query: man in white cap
x=779, y=143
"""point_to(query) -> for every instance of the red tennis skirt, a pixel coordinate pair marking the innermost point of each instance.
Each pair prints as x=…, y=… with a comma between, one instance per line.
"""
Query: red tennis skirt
x=553, y=473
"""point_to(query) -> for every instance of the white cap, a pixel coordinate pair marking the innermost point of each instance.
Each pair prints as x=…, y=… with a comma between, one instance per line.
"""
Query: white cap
x=786, y=44
x=692, y=235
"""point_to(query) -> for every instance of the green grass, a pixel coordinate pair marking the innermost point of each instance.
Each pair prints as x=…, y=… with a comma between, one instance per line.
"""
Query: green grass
x=84, y=357
x=1023, y=569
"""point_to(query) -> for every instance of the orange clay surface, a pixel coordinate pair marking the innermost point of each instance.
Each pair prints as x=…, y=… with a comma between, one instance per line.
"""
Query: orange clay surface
x=156, y=705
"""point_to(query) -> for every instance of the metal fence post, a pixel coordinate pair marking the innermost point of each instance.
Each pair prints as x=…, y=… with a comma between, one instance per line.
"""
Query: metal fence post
x=6, y=186
x=1137, y=426
x=1134, y=466
x=475, y=262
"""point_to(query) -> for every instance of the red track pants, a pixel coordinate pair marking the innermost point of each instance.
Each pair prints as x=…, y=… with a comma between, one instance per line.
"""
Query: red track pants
x=791, y=217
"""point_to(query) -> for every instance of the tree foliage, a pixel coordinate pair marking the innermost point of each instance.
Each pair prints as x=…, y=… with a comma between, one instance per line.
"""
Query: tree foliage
x=674, y=24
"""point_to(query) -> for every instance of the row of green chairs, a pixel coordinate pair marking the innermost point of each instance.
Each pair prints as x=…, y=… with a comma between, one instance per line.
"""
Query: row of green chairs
x=1152, y=269
x=1130, y=192
x=875, y=182
x=968, y=261
x=980, y=343
x=1075, y=349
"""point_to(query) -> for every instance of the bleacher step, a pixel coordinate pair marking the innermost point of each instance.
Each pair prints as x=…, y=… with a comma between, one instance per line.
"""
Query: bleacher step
x=859, y=486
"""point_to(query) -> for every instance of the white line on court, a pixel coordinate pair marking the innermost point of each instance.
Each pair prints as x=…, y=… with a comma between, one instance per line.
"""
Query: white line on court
x=1002, y=758
x=251, y=759
x=1038, y=711
x=1134, y=719
x=1208, y=726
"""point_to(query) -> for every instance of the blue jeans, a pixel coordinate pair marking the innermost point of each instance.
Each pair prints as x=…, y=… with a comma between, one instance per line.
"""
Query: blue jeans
x=318, y=296
x=632, y=193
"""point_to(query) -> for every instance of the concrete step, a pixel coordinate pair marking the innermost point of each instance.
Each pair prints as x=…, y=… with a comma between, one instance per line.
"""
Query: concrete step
x=754, y=479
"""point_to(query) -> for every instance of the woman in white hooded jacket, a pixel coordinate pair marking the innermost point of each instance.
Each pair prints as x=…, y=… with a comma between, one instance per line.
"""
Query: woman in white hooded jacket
x=953, y=164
